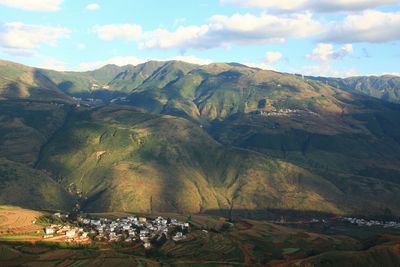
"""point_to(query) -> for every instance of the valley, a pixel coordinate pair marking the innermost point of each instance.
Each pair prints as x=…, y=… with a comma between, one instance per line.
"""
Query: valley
x=267, y=168
x=220, y=138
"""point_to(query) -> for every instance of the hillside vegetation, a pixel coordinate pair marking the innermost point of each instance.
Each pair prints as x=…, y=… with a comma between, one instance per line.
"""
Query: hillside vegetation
x=24, y=186
x=217, y=138
x=22, y=82
x=120, y=159
x=385, y=87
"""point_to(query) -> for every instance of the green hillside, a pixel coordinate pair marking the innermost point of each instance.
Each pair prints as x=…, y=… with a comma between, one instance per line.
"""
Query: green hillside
x=116, y=158
x=22, y=82
x=386, y=87
x=121, y=159
x=24, y=186
x=216, y=91
x=89, y=83
x=221, y=138
x=26, y=126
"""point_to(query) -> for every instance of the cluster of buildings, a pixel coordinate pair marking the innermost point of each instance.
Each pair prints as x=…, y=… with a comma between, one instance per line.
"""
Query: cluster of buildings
x=135, y=229
x=363, y=222
x=70, y=233
x=119, y=99
x=87, y=102
x=286, y=112
x=96, y=86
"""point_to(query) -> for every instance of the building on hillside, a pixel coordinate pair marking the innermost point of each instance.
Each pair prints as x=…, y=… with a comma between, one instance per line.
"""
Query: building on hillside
x=49, y=231
x=70, y=233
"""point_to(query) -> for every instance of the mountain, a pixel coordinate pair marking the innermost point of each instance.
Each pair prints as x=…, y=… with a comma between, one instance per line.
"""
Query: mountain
x=385, y=87
x=89, y=84
x=22, y=185
x=120, y=159
x=149, y=74
x=22, y=82
x=219, y=138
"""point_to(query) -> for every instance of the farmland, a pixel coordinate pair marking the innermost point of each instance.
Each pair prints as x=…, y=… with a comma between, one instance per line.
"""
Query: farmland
x=212, y=241
x=17, y=220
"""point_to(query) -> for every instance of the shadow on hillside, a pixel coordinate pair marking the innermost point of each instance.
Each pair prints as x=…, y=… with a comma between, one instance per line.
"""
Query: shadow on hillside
x=102, y=94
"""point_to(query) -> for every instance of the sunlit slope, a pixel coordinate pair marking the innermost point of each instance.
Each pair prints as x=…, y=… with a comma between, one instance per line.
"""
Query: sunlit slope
x=116, y=158
x=386, y=87
x=90, y=83
x=22, y=82
x=219, y=90
x=363, y=139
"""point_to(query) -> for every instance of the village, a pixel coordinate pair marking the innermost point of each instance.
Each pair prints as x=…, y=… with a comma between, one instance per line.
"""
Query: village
x=359, y=222
x=370, y=223
x=131, y=229
x=286, y=112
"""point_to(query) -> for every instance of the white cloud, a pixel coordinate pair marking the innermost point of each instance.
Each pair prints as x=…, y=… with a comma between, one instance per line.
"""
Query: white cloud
x=132, y=60
x=312, y=5
x=327, y=70
x=27, y=53
x=392, y=73
x=119, y=61
x=326, y=52
x=34, y=5
x=17, y=35
x=272, y=57
x=267, y=62
x=262, y=66
x=118, y=31
x=224, y=31
x=192, y=59
x=369, y=26
x=183, y=37
x=53, y=64
x=93, y=6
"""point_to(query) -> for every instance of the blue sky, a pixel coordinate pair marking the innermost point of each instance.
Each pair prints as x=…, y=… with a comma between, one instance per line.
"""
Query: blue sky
x=327, y=38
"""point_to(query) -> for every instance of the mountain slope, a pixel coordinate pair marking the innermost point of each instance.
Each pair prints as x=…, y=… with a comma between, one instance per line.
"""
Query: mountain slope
x=24, y=186
x=385, y=87
x=26, y=126
x=22, y=82
x=216, y=91
x=210, y=138
x=86, y=83
x=116, y=158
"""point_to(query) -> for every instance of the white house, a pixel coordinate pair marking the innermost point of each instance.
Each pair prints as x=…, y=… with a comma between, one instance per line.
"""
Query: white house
x=49, y=231
x=70, y=233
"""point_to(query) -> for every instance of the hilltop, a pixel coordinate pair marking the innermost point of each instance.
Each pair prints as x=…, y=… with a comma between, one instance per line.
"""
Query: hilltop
x=21, y=82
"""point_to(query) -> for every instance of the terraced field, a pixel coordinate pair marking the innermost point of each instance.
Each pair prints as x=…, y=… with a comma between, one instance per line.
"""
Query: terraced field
x=14, y=220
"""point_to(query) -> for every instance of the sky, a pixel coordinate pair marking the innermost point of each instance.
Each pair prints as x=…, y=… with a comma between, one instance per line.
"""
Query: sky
x=338, y=38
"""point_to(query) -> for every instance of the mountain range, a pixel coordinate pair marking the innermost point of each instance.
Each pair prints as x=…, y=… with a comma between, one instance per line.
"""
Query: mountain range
x=174, y=136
